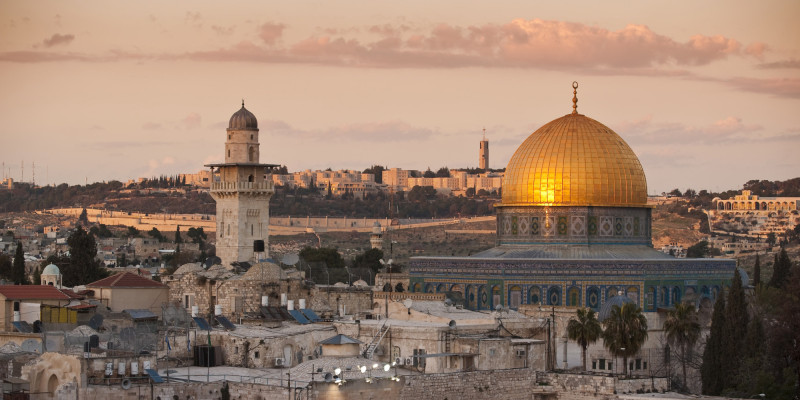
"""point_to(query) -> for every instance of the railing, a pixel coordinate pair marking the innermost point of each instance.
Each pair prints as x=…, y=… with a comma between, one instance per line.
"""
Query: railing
x=220, y=186
x=376, y=340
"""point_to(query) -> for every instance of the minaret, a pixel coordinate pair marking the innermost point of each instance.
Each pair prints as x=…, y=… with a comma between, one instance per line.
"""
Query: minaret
x=242, y=188
x=483, y=156
x=376, y=237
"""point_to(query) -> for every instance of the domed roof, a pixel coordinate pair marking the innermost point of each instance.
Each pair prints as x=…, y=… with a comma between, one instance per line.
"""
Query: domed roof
x=618, y=300
x=243, y=119
x=51, y=269
x=574, y=161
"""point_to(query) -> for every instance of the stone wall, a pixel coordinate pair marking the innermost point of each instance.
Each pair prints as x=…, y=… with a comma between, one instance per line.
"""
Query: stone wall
x=141, y=390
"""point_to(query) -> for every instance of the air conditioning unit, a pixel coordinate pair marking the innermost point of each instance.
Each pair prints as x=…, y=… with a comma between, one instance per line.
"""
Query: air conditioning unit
x=408, y=361
x=520, y=353
x=279, y=362
x=398, y=361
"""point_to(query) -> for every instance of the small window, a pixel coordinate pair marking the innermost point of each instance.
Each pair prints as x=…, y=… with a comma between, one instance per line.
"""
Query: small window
x=491, y=352
x=594, y=364
x=251, y=136
x=255, y=355
x=236, y=350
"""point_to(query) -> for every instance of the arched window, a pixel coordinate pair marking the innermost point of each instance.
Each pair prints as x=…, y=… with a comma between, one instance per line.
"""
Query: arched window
x=593, y=298
x=534, y=293
x=252, y=154
x=515, y=296
x=574, y=297
x=554, y=296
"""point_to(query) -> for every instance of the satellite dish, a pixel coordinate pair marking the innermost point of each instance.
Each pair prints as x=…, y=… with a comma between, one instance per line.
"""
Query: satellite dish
x=408, y=303
x=328, y=377
x=498, y=307
x=452, y=324
x=126, y=383
x=290, y=259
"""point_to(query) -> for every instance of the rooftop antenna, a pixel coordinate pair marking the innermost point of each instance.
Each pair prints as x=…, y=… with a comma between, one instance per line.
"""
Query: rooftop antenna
x=33, y=167
x=575, y=97
x=484, y=133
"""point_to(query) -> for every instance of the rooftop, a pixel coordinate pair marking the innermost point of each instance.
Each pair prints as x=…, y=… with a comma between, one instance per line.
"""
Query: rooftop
x=32, y=292
x=126, y=280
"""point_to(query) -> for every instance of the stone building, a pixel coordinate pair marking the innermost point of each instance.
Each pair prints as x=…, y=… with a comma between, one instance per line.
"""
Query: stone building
x=126, y=290
x=242, y=189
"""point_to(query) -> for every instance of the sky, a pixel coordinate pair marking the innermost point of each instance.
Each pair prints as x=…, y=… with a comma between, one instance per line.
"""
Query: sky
x=707, y=94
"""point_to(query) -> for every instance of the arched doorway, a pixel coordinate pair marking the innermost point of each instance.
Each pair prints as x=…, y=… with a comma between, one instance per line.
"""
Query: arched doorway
x=574, y=297
x=514, y=297
x=497, y=296
x=593, y=298
x=52, y=384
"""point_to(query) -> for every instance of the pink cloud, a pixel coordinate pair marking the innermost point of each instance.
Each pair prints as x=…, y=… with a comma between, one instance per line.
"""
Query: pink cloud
x=191, y=121
x=645, y=131
x=785, y=87
x=270, y=33
x=58, y=39
x=793, y=63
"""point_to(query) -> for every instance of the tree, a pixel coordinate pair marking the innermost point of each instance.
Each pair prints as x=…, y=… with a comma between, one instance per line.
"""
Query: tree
x=369, y=259
x=83, y=218
x=18, y=269
x=377, y=171
x=757, y=272
x=5, y=266
x=156, y=234
x=198, y=236
x=625, y=331
x=781, y=270
x=675, y=192
x=771, y=239
x=443, y=172
x=736, y=319
x=83, y=267
x=682, y=329
x=697, y=250
x=711, y=370
x=132, y=232
x=585, y=330
x=178, y=238
x=329, y=256
x=428, y=173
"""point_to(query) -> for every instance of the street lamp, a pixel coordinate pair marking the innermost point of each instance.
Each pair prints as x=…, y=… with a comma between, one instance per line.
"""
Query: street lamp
x=388, y=265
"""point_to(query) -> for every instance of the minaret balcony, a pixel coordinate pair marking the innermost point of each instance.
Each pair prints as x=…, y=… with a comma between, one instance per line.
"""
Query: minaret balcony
x=243, y=187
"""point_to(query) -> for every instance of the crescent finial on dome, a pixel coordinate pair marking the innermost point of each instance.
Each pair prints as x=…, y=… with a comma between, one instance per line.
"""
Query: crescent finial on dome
x=575, y=97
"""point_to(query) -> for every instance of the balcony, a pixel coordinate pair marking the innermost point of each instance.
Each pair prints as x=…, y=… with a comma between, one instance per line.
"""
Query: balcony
x=251, y=187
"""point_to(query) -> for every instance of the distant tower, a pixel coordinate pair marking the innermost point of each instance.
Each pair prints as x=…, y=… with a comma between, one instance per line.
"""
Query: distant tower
x=483, y=156
x=376, y=237
x=242, y=189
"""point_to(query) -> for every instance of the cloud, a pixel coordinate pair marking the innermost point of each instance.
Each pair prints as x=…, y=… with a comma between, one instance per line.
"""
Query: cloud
x=191, y=121
x=789, y=64
x=270, y=33
x=780, y=87
x=150, y=126
x=730, y=129
x=223, y=31
x=57, y=40
x=518, y=44
x=379, y=132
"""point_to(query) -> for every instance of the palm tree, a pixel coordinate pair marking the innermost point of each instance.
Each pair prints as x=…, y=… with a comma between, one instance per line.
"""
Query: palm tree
x=625, y=331
x=683, y=330
x=585, y=330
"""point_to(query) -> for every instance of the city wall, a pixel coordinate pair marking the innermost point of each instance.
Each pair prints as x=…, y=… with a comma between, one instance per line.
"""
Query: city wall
x=279, y=225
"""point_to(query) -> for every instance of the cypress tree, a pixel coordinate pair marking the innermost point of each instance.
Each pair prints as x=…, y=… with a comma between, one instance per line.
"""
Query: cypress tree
x=780, y=273
x=711, y=370
x=736, y=319
x=18, y=269
x=178, y=238
x=757, y=272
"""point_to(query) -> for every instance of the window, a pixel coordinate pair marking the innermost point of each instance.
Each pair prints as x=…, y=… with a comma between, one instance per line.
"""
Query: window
x=602, y=363
x=188, y=301
x=255, y=354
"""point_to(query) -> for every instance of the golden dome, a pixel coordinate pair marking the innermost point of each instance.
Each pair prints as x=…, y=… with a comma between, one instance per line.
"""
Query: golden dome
x=574, y=161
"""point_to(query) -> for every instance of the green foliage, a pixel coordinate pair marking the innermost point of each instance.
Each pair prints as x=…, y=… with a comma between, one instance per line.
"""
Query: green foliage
x=757, y=272
x=369, y=259
x=178, y=238
x=584, y=330
x=101, y=231
x=376, y=170
x=711, y=369
x=329, y=256
x=736, y=319
x=625, y=331
x=83, y=267
x=698, y=250
x=428, y=173
x=132, y=232
x=18, y=275
x=198, y=236
x=682, y=329
x=419, y=194
x=443, y=172
x=5, y=266
x=781, y=270
x=771, y=238
x=156, y=234
x=83, y=218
